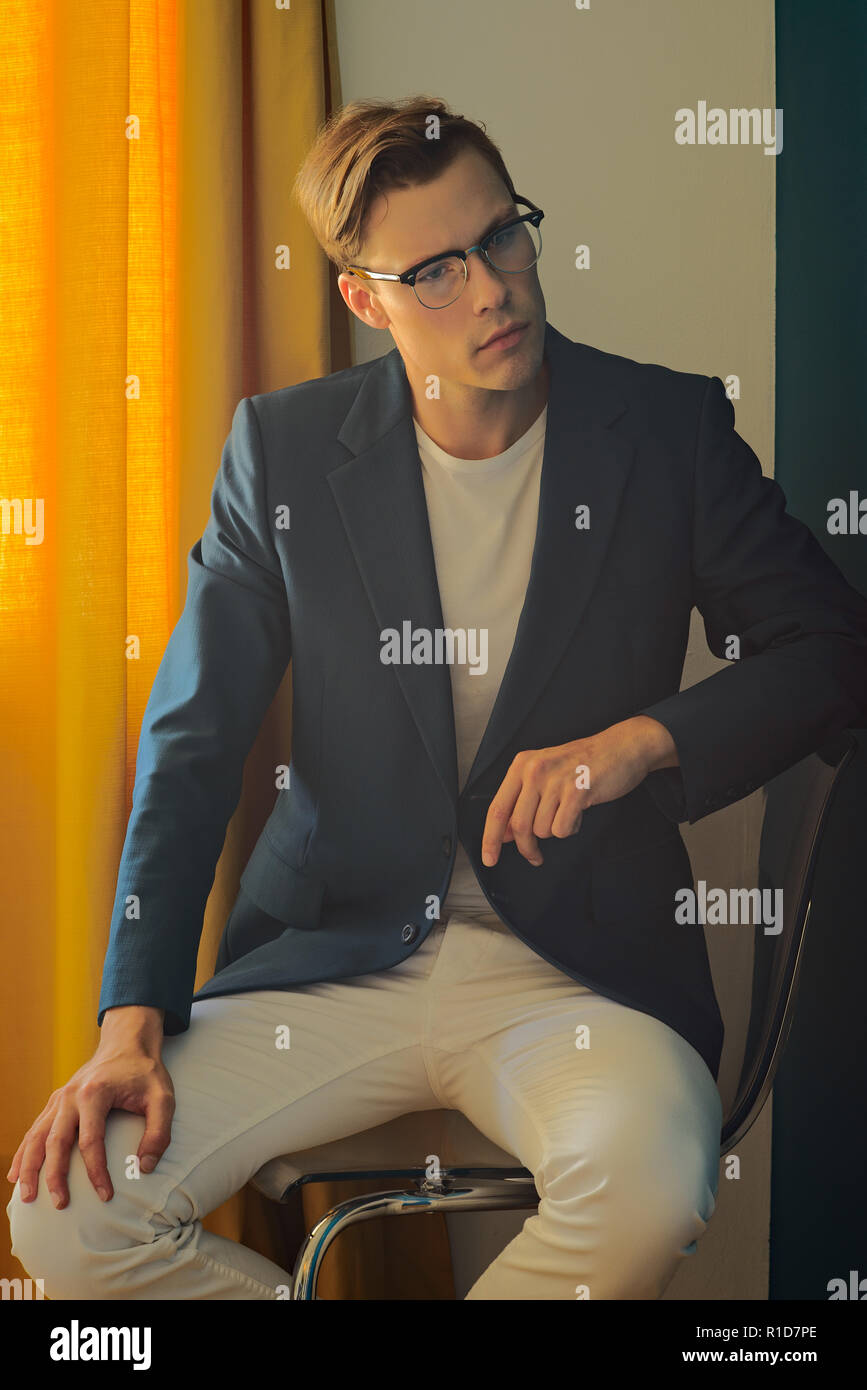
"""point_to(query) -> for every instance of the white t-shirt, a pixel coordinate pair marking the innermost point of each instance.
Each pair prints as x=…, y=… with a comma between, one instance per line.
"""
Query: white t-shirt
x=483, y=515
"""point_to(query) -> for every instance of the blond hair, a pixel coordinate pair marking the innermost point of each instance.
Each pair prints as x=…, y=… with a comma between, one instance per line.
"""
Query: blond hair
x=367, y=148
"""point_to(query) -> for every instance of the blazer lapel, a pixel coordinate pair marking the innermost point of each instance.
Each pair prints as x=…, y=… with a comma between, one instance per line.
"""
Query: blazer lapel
x=380, y=496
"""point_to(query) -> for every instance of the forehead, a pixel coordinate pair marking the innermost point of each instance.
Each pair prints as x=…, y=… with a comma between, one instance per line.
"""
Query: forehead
x=454, y=210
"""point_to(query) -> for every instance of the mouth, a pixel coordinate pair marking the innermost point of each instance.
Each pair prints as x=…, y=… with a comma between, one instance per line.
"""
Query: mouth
x=505, y=340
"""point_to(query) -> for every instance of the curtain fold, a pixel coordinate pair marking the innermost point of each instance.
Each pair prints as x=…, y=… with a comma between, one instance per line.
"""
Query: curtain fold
x=153, y=270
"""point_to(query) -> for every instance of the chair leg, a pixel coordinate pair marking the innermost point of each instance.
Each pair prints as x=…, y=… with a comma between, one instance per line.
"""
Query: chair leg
x=443, y=1194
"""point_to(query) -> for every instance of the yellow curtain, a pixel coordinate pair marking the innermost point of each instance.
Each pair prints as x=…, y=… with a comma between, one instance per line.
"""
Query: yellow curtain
x=147, y=151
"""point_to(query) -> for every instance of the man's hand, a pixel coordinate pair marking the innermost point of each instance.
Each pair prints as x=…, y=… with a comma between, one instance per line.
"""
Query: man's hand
x=546, y=790
x=125, y=1073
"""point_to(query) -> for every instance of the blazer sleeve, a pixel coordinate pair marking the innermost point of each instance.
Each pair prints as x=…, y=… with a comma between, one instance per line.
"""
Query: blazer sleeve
x=761, y=575
x=220, y=671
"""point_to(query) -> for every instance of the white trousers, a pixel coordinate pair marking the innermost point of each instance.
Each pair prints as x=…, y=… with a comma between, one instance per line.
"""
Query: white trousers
x=622, y=1136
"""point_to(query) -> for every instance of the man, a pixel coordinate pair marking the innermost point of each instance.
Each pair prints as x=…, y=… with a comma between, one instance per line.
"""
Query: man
x=481, y=556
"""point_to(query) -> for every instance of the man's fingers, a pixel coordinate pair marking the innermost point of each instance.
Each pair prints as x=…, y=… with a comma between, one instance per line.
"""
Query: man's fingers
x=497, y=827
x=567, y=820
x=566, y=815
x=159, y=1110
x=94, y=1106
x=15, y=1165
x=546, y=813
x=81, y=1111
x=34, y=1136
x=494, y=831
x=32, y=1160
x=58, y=1145
x=521, y=822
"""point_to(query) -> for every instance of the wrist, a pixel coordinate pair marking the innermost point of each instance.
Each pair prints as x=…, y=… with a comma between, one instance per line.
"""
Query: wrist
x=133, y=1025
x=659, y=747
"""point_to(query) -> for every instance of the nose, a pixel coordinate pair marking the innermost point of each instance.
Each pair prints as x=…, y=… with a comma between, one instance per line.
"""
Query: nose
x=483, y=280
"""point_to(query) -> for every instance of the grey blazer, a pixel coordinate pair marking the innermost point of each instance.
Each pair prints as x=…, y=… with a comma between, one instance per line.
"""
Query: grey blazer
x=318, y=540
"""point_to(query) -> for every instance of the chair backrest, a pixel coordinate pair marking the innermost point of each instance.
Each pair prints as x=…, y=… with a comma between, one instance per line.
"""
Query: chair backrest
x=796, y=813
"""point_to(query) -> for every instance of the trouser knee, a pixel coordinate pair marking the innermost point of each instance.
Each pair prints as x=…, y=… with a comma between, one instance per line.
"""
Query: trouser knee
x=81, y=1250
x=48, y=1243
x=629, y=1219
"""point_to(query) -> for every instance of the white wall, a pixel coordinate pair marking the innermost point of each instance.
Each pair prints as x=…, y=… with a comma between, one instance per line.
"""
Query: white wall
x=581, y=104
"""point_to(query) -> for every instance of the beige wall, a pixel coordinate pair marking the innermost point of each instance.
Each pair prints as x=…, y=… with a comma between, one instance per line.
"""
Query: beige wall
x=681, y=238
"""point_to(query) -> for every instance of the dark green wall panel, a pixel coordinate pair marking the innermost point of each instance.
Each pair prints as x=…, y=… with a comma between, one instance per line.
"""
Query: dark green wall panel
x=819, y=1166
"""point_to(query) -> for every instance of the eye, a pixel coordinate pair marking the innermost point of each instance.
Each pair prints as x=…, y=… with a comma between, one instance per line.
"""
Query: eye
x=434, y=273
x=503, y=237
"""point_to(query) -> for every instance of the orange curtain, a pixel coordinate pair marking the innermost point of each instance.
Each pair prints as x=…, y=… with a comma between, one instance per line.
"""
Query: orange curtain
x=147, y=151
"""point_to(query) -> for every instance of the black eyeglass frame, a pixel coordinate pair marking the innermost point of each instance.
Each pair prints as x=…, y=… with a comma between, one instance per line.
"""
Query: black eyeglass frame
x=408, y=277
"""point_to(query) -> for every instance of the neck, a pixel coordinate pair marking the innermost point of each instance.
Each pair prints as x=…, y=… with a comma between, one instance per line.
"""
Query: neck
x=478, y=424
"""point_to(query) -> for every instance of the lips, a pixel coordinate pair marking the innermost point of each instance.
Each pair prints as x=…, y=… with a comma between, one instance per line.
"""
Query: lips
x=507, y=333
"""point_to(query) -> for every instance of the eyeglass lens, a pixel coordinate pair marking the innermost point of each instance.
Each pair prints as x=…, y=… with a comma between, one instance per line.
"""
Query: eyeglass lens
x=511, y=249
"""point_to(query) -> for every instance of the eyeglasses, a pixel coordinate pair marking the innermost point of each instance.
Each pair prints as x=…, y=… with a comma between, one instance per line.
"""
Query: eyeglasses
x=514, y=246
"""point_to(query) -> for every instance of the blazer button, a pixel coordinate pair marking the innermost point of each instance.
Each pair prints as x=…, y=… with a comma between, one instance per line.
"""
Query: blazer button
x=409, y=932
x=446, y=843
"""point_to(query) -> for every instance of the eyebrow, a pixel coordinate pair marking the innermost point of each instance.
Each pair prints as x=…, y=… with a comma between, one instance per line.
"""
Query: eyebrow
x=505, y=215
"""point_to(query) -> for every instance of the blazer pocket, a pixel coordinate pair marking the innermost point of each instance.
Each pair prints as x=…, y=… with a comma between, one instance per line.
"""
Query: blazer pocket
x=640, y=881
x=281, y=890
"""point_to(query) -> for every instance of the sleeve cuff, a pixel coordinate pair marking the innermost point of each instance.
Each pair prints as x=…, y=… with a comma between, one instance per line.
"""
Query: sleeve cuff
x=666, y=787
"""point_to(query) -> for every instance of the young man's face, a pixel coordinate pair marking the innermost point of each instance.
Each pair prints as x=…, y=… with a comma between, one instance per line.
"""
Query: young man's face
x=407, y=226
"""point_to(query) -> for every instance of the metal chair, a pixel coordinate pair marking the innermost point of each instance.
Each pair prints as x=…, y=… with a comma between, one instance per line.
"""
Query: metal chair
x=441, y=1162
